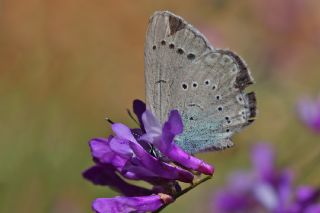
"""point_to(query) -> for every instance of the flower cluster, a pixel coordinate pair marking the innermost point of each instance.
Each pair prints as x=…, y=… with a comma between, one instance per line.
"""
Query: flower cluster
x=309, y=113
x=147, y=153
x=265, y=189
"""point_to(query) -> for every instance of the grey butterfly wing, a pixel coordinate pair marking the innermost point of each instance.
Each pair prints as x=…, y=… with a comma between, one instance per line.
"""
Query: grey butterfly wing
x=168, y=38
x=215, y=105
x=206, y=85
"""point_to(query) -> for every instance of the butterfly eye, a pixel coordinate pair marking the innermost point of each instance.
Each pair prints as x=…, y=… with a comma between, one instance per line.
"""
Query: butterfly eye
x=184, y=86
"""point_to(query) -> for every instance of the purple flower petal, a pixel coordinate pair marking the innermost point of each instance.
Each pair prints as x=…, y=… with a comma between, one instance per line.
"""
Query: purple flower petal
x=151, y=125
x=101, y=151
x=305, y=193
x=121, y=147
x=106, y=176
x=313, y=209
x=175, y=121
x=266, y=195
x=176, y=154
x=127, y=204
x=284, y=187
x=309, y=113
x=139, y=107
x=263, y=161
x=229, y=201
x=160, y=168
x=241, y=181
x=123, y=132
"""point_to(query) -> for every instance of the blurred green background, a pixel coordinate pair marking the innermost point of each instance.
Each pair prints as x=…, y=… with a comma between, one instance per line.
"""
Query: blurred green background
x=66, y=64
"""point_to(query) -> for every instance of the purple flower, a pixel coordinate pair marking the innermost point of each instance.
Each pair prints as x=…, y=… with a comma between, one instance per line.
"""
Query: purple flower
x=163, y=140
x=127, y=156
x=309, y=113
x=264, y=189
x=306, y=199
x=147, y=153
x=130, y=204
x=106, y=176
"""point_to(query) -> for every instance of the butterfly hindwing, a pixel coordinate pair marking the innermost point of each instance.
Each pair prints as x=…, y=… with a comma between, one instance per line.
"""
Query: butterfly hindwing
x=205, y=84
x=215, y=105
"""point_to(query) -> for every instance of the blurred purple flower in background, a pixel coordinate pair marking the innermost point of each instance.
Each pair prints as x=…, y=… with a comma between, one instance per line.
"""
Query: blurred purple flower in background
x=309, y=113
x=147, y=154
x=264, y=189
x=306, y=198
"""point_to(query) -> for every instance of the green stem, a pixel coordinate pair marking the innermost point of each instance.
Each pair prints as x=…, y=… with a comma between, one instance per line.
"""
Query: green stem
x=185, y=191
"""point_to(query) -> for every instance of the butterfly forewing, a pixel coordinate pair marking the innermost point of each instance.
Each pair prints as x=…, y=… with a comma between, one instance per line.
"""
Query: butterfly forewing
x=206, y=85
x=166, y=57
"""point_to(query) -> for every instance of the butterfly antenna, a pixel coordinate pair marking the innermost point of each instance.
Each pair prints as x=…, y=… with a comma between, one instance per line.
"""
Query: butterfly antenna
x=109, y=120
x=131, y=116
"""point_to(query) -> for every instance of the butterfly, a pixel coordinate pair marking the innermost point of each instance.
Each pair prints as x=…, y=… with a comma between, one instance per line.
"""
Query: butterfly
x=205, y=84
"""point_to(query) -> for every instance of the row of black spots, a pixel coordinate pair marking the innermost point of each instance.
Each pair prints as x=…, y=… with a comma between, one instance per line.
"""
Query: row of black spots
x=185, y=85
x=207, y=82
x=195, y=85
x=244, y=115
x=228, y=119
x=190, y=56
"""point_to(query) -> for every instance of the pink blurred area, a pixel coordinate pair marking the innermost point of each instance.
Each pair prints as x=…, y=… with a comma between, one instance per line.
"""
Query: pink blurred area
x=66, y=65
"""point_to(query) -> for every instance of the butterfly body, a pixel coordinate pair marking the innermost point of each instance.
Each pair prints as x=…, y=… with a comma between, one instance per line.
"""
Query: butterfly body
x=184, y=72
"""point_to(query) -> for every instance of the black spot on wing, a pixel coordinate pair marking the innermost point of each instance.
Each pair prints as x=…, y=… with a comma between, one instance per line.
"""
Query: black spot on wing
x=175, y=24
x=191, y=56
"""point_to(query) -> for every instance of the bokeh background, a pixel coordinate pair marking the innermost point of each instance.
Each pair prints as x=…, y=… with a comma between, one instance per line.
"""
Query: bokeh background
x=66, y=64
